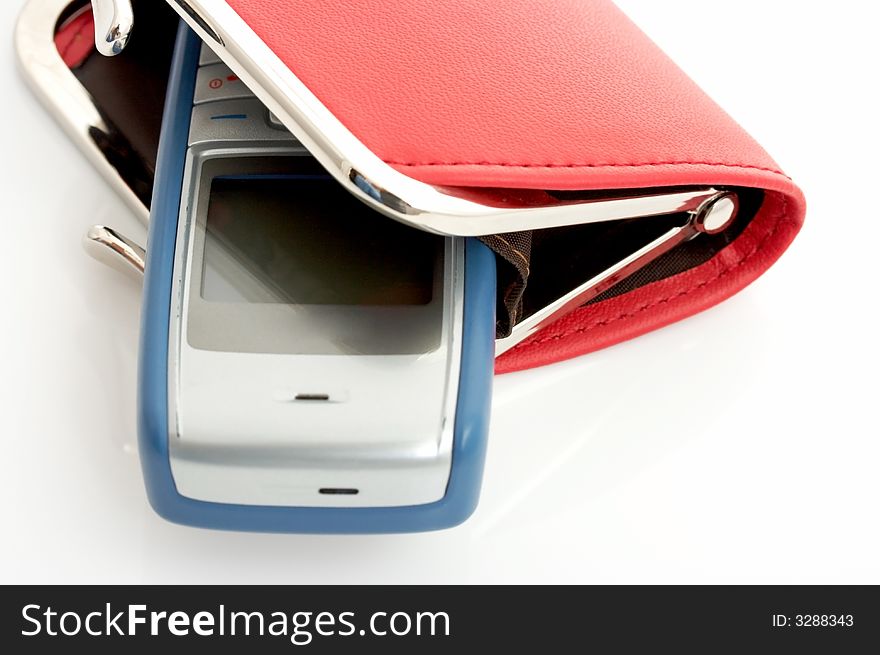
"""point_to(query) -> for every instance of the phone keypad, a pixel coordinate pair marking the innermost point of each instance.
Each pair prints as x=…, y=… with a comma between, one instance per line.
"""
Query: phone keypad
x=218, y=82
x=225, y=108
x=234, y=120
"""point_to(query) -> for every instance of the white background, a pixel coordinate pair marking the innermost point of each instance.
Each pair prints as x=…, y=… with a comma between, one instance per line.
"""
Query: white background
x=741, y=445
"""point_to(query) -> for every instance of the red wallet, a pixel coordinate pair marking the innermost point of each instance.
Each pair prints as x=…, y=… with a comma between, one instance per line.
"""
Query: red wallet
x=475, y=118
x=561, y=95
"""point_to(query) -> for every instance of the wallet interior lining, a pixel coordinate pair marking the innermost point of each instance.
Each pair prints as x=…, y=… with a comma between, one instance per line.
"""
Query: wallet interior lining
x=536, y=268
x=693, y=253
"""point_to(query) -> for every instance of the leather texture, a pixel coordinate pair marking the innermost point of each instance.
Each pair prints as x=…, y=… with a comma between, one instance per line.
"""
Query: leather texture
x=549, y=94
x=75, y=39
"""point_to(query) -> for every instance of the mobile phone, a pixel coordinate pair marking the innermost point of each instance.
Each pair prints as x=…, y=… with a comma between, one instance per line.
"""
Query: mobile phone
x=109, y=108
x=306, y=364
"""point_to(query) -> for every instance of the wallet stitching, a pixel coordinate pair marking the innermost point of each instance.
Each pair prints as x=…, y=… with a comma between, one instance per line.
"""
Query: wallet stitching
x=588, y=165
x=626, y=315
x=516, y=250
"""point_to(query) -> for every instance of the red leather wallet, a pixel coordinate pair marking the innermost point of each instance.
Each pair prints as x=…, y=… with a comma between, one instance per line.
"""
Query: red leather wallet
x=562, y=95
x=547, y=96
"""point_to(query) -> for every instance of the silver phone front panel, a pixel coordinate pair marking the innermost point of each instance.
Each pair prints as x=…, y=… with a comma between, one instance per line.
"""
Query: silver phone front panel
x=278, y=429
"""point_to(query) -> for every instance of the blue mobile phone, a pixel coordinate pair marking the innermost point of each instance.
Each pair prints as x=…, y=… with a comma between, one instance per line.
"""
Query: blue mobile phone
x=306, y=364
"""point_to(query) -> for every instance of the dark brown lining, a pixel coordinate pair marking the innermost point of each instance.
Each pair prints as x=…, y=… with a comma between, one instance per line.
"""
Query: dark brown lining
x=536, y=268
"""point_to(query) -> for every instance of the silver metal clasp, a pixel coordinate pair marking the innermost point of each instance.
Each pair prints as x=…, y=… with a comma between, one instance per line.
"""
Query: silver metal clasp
x=114, y=21
x=115, y=250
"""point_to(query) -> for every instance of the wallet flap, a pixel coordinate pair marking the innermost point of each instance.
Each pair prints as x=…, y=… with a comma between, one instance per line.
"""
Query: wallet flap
x=561, y=94
x=433, y=112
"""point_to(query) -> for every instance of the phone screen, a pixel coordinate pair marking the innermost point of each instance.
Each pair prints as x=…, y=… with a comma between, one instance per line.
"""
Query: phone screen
x=299, y=239
x=284, y=260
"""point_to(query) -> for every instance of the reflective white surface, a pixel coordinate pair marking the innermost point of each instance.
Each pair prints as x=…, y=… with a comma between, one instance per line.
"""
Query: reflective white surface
x=739, y=446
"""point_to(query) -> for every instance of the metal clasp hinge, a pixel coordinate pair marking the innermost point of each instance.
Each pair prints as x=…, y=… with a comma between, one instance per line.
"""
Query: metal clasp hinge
x=708, y=211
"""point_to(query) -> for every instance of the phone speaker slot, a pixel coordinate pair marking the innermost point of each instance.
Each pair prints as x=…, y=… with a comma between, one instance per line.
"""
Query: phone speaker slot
x=313, y=397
